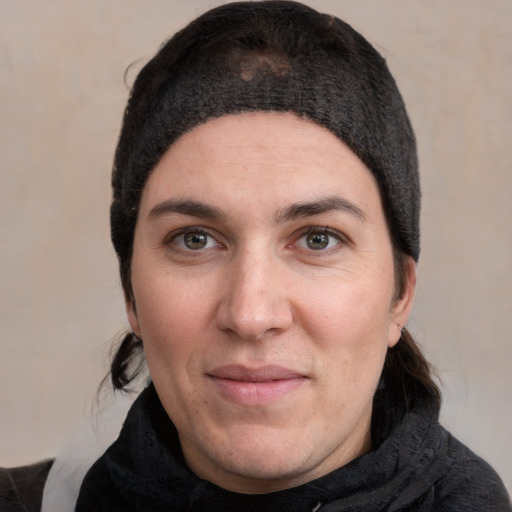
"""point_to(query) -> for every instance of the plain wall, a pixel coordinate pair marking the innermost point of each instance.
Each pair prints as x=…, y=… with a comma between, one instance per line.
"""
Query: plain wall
x=61, y=99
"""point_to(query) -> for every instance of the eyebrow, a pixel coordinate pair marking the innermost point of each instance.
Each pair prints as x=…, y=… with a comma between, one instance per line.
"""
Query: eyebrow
x=186, y=207
x=318, y=207
x=292, y=212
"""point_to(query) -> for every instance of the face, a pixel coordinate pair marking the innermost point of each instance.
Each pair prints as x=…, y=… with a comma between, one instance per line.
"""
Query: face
x=263, y=281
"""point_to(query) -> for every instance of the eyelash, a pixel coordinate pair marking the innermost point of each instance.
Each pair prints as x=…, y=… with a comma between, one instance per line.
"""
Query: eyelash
x=321, y=230
x=171, y=239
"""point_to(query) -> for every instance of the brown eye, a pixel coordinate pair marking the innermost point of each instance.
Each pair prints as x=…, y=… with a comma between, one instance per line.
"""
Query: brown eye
x=317, y=241
x=320, y=239
x=195, y=241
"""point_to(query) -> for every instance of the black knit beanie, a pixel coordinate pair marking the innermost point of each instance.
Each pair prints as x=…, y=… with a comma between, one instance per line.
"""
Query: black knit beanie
x=268, y=56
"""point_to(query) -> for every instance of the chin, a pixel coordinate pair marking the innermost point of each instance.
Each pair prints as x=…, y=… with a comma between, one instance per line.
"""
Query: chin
x=260, y=459
x=255, y=473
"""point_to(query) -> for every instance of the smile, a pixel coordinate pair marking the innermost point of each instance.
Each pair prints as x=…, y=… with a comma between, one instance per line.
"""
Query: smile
x=255, y=386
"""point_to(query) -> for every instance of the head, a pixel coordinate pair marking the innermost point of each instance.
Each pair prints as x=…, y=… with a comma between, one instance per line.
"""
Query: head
x=268, y=56
x=261, y=143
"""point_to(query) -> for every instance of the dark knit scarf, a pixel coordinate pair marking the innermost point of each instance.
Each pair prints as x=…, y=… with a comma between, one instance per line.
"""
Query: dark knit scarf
x=419, y=467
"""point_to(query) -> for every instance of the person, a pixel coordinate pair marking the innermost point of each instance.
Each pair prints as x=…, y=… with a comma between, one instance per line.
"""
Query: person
x=265, y=215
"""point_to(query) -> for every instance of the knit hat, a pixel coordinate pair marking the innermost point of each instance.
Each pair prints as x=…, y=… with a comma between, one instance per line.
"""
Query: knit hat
x=269, y=56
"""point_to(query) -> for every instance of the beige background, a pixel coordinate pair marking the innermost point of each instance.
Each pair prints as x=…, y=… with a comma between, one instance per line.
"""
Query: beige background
x=61, y=98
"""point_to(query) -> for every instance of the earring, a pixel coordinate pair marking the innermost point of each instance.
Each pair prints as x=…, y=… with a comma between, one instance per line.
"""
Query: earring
x=400, y=328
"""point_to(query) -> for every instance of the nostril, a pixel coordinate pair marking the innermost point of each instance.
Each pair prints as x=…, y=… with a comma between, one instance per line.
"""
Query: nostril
x=254, y=319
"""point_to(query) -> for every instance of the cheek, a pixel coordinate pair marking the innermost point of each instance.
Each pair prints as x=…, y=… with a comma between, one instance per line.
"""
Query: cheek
x=356, y=312
x=171, y=318
x=168, y=301
x=172, y=329
x=351, y=326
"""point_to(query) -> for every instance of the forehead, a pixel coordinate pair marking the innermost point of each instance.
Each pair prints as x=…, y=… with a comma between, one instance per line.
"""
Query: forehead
x=257, y=160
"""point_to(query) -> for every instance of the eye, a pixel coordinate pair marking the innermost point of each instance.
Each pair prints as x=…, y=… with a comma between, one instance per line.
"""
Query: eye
x=194, y=240
x=319, y=239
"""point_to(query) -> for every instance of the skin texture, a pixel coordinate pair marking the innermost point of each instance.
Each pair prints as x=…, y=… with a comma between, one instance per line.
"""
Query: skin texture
x=261, y=241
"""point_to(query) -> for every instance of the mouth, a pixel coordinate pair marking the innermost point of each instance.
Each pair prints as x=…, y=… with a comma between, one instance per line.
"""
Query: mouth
x=256, y=386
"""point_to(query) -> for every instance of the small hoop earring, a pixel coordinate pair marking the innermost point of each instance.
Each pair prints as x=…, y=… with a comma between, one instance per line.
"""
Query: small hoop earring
x=400, y=328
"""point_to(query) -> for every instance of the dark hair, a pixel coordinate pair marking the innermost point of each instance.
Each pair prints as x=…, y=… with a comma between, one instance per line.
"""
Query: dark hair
x=273, y=56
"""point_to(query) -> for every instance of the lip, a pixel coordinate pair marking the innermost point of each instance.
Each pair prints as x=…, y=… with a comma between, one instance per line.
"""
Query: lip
x=262, y=385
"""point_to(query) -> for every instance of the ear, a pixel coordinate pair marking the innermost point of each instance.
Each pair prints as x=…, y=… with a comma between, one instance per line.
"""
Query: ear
x=131, y=313
x=401, y=309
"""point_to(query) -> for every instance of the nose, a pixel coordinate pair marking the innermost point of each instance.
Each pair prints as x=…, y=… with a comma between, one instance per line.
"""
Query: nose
x=255, y=298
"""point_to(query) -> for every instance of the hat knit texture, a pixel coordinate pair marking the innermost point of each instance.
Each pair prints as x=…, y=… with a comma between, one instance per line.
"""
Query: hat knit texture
x=271, y=56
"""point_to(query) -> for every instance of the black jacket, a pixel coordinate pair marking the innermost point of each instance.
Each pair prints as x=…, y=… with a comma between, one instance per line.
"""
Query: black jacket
x=419, y=467
x=21, y=489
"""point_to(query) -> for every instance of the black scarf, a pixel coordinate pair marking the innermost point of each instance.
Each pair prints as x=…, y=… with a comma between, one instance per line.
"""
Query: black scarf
x=414, y=469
